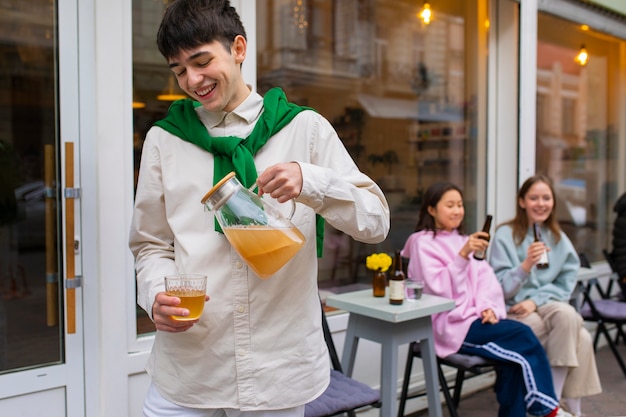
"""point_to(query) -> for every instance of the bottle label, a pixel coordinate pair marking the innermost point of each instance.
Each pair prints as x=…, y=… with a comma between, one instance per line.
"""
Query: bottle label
x=396, y=290
x=544, y=258
x=479, y=254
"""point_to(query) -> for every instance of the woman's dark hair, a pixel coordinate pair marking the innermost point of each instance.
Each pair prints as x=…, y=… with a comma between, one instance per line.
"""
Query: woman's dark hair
x=188, y=24
x=520, y=225
x=432, y=196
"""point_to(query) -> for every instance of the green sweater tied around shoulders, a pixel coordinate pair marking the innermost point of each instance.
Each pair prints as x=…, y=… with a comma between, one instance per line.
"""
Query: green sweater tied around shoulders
x=233, y=153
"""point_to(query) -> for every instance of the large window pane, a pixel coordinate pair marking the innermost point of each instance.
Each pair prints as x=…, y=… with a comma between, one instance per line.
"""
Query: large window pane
x=31, y=307
x=576, y=128
x=401, y=94
x=154, y=89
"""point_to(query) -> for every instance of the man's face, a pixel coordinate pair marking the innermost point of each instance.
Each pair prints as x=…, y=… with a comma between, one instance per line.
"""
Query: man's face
x=211, y=74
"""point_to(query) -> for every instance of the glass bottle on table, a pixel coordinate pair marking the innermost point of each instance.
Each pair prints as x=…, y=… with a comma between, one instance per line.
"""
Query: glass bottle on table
x=480, y=255
x=396, y=281
x=379, y=283
x=543, y=261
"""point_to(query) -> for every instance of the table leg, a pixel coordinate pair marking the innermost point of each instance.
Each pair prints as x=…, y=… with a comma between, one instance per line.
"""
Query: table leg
x=429, y=362
x=350, y=346
x=389, y=378
x=391, y=336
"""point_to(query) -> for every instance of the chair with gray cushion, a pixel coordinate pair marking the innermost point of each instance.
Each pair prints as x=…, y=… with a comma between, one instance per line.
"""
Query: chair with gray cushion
x=464, y=364
x=604, y=312
x=344, y=394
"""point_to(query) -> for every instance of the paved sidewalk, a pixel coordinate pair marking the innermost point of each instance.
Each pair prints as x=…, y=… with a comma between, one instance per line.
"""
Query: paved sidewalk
x=611, y=402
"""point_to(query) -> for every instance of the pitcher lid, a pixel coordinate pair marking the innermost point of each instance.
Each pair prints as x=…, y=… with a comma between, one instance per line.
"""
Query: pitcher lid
x=217, y=186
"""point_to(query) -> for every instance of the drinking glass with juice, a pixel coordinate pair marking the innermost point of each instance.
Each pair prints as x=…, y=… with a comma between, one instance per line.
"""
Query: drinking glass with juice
x=191, y=289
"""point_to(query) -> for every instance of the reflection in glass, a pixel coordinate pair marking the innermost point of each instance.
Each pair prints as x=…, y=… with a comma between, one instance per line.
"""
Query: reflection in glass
x=401, y=94
x=30, y=319
x=151, y=79
x=576, y=128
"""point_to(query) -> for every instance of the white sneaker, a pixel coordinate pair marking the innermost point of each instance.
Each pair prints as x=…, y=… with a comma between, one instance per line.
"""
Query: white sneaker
x=563, y=413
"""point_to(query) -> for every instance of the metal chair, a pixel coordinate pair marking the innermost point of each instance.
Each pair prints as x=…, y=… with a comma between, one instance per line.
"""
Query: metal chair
x=344, y=394
x=604, y=311
x=475, y=365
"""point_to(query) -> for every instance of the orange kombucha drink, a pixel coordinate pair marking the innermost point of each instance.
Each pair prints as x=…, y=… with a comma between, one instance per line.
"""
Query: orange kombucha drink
x=191, y=289
x=191, y=300
x=265, y=249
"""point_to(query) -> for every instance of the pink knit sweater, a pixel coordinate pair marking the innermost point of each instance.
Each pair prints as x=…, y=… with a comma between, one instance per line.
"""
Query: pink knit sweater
x=471, y=283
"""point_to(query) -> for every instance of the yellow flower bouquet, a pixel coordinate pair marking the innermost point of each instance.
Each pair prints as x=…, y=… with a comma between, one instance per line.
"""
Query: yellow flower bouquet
x=378, y=262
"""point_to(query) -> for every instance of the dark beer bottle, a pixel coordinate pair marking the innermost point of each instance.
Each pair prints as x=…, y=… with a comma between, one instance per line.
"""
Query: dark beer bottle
x=396, y=281
x=543, y=261
x=480, y=254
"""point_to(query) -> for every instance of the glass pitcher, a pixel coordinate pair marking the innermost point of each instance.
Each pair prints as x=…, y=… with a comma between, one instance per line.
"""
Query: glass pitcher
x=260, y=234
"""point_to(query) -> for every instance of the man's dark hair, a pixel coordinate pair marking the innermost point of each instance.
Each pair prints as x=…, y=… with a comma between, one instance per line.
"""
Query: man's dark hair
x=188, y=24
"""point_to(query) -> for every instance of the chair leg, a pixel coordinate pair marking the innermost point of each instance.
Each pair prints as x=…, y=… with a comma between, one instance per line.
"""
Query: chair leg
x=458, y=386
x=596, y=338
x=620, y=333
x=446, y=392
x=602, y=328
x=405, y=382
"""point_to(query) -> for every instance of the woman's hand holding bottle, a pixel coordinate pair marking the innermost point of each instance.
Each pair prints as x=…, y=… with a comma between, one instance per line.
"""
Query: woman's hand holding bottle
x=534, y=254
x=477, y=242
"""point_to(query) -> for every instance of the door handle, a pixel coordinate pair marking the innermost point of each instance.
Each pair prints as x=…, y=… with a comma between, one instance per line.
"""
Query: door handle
x=52, y=279
x=70, y=274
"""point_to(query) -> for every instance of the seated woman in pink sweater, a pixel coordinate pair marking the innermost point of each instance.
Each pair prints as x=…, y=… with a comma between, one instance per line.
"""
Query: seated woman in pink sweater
x=440, y=254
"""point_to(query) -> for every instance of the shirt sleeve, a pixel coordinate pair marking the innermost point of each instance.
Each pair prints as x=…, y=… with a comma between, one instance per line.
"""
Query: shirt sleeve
x=336, y=189
x=489, y=294
x=506, y=263
x=151, y=239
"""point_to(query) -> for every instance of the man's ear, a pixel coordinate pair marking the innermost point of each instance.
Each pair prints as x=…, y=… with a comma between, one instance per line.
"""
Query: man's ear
x=239, y=48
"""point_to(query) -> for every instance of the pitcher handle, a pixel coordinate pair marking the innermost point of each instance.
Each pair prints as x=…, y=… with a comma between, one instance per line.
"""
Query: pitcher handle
x=293, y=201
x=293, y=209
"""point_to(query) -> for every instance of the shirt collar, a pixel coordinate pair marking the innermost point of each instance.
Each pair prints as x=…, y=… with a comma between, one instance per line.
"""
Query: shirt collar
x=249, y=110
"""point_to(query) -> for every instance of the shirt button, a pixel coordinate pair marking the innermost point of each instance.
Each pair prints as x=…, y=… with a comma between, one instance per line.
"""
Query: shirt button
x=238, y=265
x=241, y=309
x=242, y=352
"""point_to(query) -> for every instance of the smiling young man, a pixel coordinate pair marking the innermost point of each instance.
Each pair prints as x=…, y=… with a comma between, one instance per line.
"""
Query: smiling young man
x=540, y=297
x=258, y=348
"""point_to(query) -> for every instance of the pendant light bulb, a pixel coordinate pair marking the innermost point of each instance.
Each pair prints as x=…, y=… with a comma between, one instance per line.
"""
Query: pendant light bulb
x=425, y=14
x=583, y=56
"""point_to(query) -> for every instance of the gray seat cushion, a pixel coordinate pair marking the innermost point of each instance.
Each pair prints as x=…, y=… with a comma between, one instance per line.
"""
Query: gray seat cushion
x=343, y=393
x=460, y=360
x=608, y=310
x=467, y=361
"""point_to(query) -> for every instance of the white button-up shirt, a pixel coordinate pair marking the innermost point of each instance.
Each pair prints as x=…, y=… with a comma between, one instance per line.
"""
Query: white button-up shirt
x=258, y=344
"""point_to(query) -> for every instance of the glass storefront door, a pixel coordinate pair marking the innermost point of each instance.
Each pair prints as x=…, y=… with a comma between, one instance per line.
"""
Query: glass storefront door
x=40, y=331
